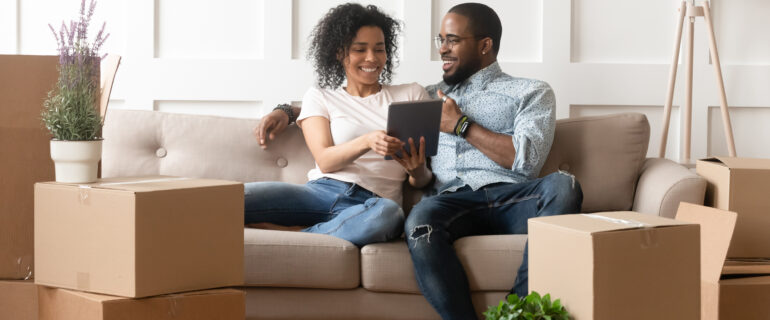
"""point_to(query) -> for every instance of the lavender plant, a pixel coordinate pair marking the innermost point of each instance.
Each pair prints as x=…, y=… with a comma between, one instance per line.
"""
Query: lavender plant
x=70, y=112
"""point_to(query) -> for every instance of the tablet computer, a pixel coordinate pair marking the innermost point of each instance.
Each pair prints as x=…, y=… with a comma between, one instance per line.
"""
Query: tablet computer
x=415, y=119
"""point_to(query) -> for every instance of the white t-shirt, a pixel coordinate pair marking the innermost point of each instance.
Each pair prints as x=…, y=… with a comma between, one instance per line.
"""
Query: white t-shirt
x=351, y=117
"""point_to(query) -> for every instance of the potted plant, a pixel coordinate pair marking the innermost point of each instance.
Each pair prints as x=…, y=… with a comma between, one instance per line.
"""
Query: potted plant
x=531, y=307
x=71, y=110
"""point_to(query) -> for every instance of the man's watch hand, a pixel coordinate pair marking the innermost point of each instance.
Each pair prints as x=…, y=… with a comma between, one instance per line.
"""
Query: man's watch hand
x=450, y=113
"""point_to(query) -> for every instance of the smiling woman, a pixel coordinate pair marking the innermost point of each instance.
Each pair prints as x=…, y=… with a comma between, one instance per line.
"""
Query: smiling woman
x=332, y=38
x=353, y=193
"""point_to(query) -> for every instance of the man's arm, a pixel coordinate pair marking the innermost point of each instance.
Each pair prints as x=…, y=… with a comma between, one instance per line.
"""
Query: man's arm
x=496, y=146
x=273, y=124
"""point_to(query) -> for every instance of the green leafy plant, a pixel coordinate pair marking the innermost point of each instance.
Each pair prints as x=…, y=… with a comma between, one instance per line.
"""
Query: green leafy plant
x=70, y=112
x=531, y=307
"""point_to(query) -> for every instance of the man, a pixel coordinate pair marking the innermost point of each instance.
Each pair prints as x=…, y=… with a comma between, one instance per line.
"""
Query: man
x=497, y=131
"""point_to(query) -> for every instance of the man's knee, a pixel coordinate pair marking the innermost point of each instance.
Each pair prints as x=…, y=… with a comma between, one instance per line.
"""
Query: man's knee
x=565, y=191
x=419, y=225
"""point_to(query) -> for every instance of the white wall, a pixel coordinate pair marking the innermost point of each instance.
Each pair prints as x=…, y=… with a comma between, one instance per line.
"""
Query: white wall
x=241, y=57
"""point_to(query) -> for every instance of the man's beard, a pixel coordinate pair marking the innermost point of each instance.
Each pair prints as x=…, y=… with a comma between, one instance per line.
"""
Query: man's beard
x=463, y=72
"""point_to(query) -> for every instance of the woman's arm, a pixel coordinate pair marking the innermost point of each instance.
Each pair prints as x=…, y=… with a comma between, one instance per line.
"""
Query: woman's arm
x=330, y=157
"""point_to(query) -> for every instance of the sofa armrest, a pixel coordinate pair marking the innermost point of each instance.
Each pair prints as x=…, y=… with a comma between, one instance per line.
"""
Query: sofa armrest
x=663, y=184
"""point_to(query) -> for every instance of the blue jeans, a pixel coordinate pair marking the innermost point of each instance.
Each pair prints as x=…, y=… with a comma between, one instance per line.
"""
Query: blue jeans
x=503, y=208
x=341, y=209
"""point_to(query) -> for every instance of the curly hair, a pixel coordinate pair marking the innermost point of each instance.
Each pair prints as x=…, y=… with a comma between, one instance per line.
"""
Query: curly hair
x=335, y=33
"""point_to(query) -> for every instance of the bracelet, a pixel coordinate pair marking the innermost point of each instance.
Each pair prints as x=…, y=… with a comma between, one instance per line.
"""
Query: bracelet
x=461, y=128
x=287, y=109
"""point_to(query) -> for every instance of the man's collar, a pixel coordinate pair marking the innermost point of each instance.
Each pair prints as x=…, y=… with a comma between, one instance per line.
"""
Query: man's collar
x=476, y=81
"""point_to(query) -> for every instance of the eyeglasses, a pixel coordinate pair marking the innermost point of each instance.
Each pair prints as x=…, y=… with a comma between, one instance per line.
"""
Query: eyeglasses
x=450, y=41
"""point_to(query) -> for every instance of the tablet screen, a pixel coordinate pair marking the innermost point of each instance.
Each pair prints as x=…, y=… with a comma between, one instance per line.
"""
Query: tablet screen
x=415, y=119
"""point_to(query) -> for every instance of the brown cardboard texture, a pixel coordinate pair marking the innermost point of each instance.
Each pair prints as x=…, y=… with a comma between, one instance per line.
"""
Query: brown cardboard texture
x=741, y=185
x=221, y=304
x=734, y=295
x=26, y=157
x=18, y=300
x=617, y=265
x=141, y=236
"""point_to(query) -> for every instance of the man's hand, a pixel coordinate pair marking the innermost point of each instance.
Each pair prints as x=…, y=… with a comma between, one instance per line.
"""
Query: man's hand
x=382, y=143
x=269, y=126
x=450, y=113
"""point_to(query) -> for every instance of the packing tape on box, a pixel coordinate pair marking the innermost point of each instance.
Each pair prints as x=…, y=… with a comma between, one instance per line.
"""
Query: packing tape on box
x=141, y=181
x=85, y=189
x=647, y=231
x=24, y=268
x=83, y=281
x=630, y=223
x=84, y=192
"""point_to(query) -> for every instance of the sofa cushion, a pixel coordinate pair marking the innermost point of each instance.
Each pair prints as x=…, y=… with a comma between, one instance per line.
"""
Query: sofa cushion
x=605, y=153
x=297, y=259
x=138, y=142
x=490, y=262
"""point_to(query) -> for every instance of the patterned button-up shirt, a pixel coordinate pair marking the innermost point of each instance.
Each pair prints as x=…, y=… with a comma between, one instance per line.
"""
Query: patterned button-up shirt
x=521, y=108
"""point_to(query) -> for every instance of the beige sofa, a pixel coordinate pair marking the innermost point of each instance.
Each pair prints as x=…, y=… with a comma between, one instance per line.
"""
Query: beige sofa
x=293, y=275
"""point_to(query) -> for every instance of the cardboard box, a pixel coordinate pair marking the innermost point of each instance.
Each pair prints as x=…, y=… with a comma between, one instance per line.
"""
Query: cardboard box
x=221, y=304
x=18, y=300
x=729, y=290
x=741, y=185
x=617, y=265
x=26, y=159
x=139, y=237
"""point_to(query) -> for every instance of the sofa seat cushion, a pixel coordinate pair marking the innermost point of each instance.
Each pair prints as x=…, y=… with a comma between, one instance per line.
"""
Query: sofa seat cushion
x=296, y=259
x=491, y=263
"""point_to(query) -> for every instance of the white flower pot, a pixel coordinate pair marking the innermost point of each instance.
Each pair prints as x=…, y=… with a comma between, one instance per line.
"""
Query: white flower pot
x=76, y=161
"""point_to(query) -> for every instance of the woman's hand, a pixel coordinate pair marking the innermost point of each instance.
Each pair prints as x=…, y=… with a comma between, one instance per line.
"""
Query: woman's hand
x=414, y=163
x=269, y=126
x=383, y=144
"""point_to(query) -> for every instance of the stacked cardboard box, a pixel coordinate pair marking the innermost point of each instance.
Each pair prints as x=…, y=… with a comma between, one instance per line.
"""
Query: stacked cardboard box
x=18, y=300
x=728, y=290
x=140, y=237
x=24, y=84
x=741, y=185
x=617, y=265
x=740, y=287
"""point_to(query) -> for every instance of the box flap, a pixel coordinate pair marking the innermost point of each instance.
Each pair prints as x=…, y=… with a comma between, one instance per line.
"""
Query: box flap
x=608, y=221
x=150, y=183
x=741, y=163
x=746, y=266
x=716, y=231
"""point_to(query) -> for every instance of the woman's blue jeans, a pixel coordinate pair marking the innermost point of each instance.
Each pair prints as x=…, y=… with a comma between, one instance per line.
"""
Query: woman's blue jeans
x=341, y=209
x=436, y=222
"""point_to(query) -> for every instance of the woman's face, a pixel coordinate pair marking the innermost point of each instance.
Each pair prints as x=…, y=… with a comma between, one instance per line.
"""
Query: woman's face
x=366, y=57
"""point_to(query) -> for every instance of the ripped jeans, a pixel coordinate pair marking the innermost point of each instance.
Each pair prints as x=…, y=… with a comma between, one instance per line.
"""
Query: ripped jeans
x=341, y=209
x=503, y=208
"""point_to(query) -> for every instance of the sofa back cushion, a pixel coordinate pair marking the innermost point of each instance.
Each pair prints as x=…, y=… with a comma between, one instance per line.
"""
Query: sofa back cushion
x=605, y=153
x=155, y=143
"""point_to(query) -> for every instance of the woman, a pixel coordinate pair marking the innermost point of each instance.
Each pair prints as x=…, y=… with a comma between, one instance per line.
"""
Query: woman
x=353, y=193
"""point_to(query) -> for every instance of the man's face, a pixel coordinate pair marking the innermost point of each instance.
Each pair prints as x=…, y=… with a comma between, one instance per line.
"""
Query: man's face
x=460, y=52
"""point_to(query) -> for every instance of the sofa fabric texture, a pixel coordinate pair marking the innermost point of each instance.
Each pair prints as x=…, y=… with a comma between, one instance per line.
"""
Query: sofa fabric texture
x=286, y=269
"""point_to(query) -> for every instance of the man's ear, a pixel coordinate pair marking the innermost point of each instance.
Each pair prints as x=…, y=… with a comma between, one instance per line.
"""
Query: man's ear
x=486, y=45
